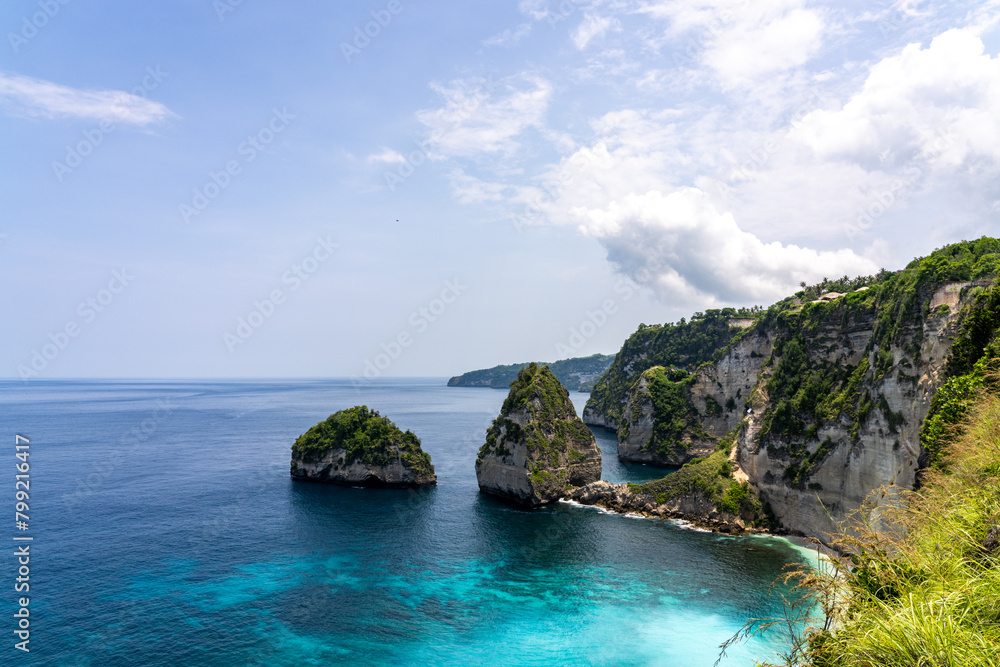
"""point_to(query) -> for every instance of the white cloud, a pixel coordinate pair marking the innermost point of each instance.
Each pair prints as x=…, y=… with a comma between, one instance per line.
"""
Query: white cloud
x=35, y=98
x=911, y=8
x=474, y=120
x=742, y=41
x=471, y=190
x=662, y=180
x=593, y=26
x=536, y=9
x=685, y=249
x=794, y=196
x=630, y=151
x=938, y=104
x=754, y=48
x=387, y=156
x=509, y=37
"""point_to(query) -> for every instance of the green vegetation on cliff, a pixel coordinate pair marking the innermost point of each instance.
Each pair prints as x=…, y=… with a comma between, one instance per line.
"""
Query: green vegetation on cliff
x=675, y=418
x=365, y=436
x=973, y=363
x=684, y=345
x=921, y=586
x=917, y=581
x=553, y=423
x=978, y=337
x=806, y=389
x=577, y=374
x=538, y=382
x=710, y=476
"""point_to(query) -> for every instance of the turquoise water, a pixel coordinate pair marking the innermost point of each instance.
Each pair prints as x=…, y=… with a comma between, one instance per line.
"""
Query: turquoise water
x=171, y=534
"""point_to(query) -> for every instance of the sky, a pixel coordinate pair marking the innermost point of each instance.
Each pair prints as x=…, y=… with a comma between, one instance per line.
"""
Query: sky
x=253, y=188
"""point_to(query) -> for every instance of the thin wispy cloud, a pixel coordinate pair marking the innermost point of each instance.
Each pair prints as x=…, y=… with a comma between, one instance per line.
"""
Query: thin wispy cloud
x=470, y=190
x=387, y=156
x=594, y=26
x=741, y=41
x=509, y=37
x=481, y=117
x=35, y=98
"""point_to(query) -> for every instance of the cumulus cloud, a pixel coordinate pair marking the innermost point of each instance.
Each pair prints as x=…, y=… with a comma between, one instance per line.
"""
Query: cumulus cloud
x=768, y=44
x=482, y=116
x=687, y=250
x=853, y=153
x=35, y=98
x=631, y=151
x=937, y=104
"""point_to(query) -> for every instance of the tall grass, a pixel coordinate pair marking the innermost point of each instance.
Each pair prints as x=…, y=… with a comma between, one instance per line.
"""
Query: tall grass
x=918, y=579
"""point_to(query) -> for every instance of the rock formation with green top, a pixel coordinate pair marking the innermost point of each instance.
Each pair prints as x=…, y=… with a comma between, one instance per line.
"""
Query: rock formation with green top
x=359, y=447
x=537, y=449
x=660, y=424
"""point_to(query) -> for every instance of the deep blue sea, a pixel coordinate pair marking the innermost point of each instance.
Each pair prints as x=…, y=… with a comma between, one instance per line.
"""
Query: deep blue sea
x=167, y=531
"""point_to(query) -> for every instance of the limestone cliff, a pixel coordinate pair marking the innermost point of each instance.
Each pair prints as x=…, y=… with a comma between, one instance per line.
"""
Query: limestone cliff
x=685, y=345
x=660, y=424
x=827, y=393
x=359, y=447
x=537, y=447
x=838, y=408
x=672, y=416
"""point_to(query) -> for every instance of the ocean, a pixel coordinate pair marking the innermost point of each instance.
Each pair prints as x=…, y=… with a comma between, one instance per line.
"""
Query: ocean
x=166, y=531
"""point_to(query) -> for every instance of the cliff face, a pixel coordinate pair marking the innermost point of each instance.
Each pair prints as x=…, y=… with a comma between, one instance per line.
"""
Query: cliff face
x=685, y=345
x=814, y=474
x=660, y=425
x=826, y=393
x=537, y=448
x=636, y=433
x=721, y=391
x=359, y=447
x=671, y=417
x=332, y=468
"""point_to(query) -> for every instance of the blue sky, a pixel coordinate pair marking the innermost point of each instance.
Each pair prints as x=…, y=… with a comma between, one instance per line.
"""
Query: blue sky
x=264, y=189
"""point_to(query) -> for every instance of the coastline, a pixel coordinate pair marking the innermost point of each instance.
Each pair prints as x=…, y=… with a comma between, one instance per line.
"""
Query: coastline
x=812, y=549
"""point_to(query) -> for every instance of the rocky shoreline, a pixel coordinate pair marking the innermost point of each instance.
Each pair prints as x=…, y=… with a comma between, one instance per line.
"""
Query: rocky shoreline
x=692, y=508
x=331, y=469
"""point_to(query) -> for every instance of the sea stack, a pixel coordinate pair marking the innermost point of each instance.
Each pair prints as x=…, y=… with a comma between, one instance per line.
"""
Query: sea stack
x=537, y=448
x=359, y=447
